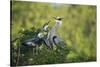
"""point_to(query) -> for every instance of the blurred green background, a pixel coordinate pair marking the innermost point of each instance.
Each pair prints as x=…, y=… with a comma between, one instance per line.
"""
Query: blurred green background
x=78, y=31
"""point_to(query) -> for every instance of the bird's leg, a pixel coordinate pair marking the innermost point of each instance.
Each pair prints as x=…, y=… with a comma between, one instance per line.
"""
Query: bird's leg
x=33, y=51
x=37, y=49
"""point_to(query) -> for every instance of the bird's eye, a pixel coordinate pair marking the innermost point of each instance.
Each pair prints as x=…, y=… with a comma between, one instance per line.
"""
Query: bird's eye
x=59, y=19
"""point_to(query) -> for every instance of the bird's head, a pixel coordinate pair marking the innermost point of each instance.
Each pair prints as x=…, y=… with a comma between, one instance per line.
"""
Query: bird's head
x=58, y=20
x=45, y=26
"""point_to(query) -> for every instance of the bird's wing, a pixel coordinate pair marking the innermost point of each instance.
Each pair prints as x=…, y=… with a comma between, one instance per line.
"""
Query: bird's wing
x=47, y=43
x=59, y=42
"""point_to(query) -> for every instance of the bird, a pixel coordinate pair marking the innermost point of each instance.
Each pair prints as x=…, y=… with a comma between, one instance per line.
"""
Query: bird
x=37, y=41
x=46, y=28
x=53, y=37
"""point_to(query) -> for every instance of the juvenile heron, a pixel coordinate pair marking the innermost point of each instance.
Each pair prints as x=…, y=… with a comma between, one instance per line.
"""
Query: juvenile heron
x=39, y=39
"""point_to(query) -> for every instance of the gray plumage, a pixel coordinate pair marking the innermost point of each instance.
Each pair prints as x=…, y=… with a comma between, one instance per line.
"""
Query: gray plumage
x=52, y=37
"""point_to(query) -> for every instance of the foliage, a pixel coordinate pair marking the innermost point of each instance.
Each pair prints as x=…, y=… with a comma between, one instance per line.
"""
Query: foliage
x=78, y=31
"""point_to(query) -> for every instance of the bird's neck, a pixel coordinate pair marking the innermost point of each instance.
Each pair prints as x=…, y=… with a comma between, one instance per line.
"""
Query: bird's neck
x=58, y=23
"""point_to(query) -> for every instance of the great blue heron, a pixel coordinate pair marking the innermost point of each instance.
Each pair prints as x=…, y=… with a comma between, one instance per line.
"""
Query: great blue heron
x=52, y=37
x=39, y=39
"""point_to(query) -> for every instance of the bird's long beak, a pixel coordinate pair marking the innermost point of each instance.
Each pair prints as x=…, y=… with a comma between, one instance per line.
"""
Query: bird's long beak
x=62, y=18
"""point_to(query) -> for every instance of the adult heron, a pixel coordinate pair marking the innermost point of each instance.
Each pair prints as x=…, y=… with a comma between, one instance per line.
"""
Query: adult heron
x=52, y=37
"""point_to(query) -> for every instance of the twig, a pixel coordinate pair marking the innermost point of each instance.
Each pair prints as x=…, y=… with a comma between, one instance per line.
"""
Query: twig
x=17, y=61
